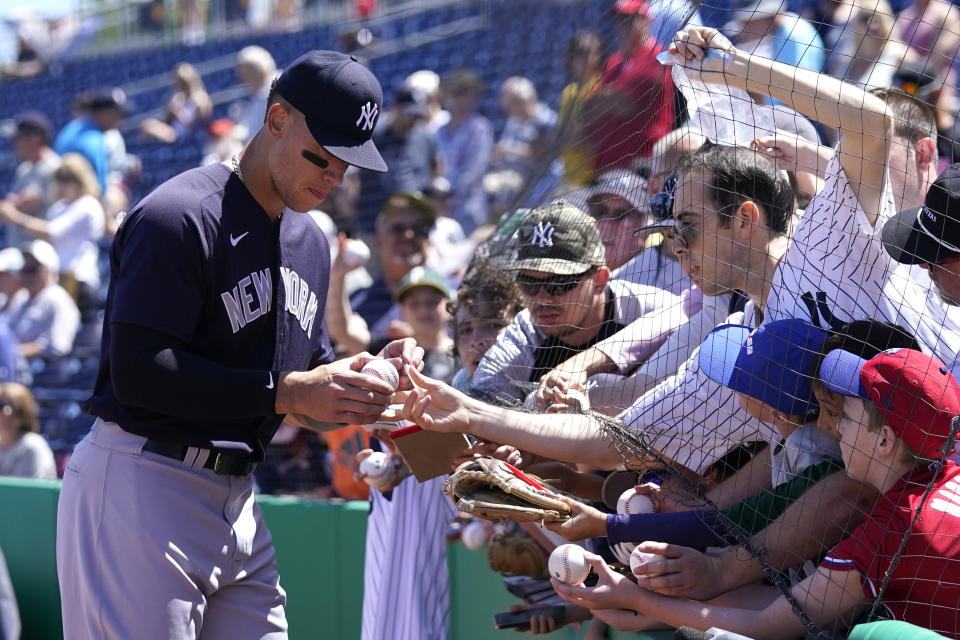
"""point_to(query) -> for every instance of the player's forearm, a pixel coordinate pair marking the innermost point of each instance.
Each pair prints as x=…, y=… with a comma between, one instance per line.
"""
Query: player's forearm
x=571, y=438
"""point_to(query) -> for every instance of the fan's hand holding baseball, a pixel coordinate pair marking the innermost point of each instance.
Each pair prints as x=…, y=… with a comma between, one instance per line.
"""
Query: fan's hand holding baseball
x=612, y=591
x=436, y=406
x=586, y=522
x=681, y=572
x=335, y=393
x=558, y=379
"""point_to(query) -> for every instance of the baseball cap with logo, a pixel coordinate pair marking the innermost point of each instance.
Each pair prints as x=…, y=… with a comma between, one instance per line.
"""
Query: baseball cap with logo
x=931, y=233
x=559, y=239
x=622, y=183
x=914, y=392
x=341, y=101
x=771, y=363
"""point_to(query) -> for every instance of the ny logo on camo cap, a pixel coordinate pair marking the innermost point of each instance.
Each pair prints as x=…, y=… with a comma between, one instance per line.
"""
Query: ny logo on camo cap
x=543, y=234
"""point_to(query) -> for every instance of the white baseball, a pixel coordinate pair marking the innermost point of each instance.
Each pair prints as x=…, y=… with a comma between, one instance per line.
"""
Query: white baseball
x=377, y=468
x=638, y=558
x=568, y=565
x=474, y=535
x=355, y=253
x=383, y=370
x=631, y=503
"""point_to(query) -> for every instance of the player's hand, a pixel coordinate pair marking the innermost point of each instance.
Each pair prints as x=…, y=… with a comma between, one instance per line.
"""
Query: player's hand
x=612, y=591
x=436, y=406
x=505, y=452
x=586, y=522
x=334, y=393
x=702, y=49
x=680, y=572
x=403, y=351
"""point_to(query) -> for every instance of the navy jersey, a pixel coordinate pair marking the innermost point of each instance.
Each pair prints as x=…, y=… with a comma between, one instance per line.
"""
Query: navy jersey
x=200, y=260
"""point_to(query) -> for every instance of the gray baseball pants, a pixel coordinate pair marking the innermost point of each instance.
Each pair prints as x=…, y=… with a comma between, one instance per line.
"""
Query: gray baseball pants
x=152, y=548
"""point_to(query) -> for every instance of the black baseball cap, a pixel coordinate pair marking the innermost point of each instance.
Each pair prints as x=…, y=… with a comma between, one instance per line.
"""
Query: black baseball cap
x=931, y=233
x=341, y=101
x=559, y=239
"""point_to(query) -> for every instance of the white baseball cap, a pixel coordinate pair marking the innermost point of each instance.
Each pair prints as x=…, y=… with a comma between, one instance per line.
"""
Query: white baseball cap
x=10, y=260
x=622, y=183
x=43, y=252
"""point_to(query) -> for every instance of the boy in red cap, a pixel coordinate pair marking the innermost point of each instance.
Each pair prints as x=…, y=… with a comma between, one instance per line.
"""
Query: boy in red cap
x=899, y=415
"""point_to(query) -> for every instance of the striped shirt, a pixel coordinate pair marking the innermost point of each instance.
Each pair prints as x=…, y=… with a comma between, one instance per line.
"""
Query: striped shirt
x=405, y=579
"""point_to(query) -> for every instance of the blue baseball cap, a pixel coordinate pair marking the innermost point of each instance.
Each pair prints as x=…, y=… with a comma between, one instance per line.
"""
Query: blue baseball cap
x=341, y=100
x=771, y=363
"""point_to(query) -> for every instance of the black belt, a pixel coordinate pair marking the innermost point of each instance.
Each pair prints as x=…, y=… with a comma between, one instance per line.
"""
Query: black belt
x=220, y=462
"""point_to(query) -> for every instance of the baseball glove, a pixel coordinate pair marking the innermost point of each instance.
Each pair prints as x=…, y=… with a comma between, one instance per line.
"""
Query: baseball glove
x=515, y=553
x=492, y=489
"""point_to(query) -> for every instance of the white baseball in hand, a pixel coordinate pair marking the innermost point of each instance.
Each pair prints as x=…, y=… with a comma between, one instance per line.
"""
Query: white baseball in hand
x=638, y=558
x=383, y=370
x=474, y=535
x=568, y=565
x=355, y=253
x=377, y=469
x=631, y=503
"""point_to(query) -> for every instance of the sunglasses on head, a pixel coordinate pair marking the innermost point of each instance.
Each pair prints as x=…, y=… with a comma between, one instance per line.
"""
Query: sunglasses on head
x=661, y=204
x=554, y=286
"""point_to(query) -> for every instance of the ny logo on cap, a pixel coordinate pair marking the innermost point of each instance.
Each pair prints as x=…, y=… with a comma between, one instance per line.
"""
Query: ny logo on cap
x=368, y=115
x=543, y=235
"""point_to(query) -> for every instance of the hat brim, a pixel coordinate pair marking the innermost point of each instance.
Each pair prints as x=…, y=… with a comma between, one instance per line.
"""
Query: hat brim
x=907, y=242
x=720, y=351
x=840, y=372
x=552, y=266
x=662, y=226
x=364, y=155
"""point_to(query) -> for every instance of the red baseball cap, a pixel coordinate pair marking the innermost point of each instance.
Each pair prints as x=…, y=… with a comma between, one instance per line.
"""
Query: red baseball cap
x=915, y=393
x=632, y=6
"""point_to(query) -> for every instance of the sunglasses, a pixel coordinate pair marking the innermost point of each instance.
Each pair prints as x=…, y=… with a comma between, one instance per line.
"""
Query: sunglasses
x=555, y=286
x=661, y=204
x=418, y=230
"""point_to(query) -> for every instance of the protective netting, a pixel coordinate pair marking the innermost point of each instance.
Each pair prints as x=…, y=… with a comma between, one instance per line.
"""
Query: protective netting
x=776, y=177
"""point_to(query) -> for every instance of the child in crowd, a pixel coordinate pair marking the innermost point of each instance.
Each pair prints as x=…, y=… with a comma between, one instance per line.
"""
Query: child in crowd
x=899, y=419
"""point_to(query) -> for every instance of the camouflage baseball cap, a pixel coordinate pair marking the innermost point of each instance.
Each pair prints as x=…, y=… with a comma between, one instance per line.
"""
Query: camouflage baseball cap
x=558, y=238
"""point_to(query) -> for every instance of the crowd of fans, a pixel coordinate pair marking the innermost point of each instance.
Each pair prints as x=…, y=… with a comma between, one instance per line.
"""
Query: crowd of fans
x=580, y=259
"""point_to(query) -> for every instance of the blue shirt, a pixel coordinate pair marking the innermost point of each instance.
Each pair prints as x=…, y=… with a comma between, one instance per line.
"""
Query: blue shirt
x=83, y=137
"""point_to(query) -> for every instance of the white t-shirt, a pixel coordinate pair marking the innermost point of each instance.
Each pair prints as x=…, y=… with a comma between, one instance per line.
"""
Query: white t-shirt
x=75, y=229
x=651, y=267
x=50, y=318
x=806, y=446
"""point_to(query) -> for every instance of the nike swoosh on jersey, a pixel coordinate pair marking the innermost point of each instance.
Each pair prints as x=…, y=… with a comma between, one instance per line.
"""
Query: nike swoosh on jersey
x=270, y=384
x=234, y=241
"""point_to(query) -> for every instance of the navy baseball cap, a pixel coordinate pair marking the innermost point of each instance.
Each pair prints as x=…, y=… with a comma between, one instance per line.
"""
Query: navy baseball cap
x=771, y=363
x=341, y=101
x=931, y=233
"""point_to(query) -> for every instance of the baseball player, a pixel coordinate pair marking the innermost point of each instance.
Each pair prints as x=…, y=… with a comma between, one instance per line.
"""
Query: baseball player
x=214, y=334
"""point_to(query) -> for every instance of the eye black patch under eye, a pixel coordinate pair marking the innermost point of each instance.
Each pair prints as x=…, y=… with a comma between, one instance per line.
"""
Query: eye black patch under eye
x=315, y=159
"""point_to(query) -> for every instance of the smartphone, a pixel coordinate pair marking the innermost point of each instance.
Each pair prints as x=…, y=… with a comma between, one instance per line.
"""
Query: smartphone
x=521, y=619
